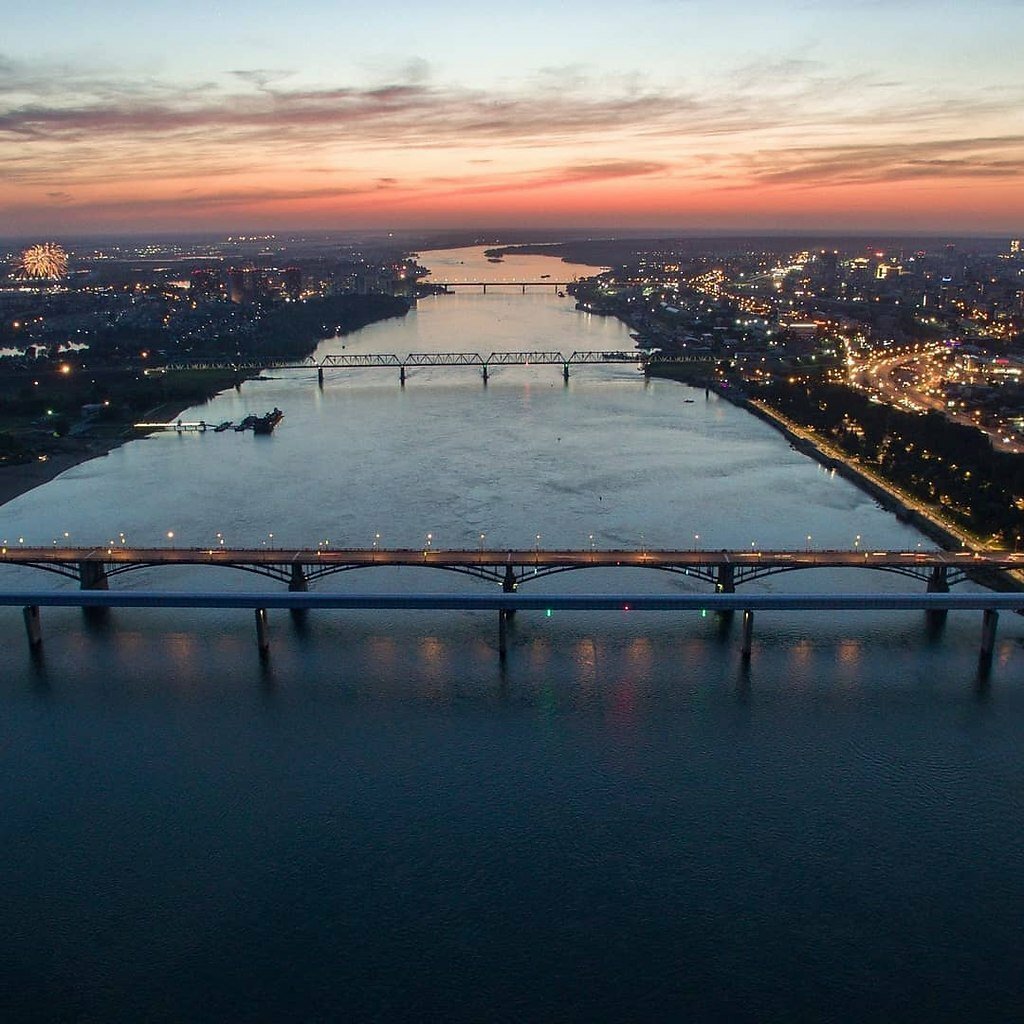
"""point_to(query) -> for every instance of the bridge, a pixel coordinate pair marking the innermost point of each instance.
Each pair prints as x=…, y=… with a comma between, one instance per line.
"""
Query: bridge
x=724, y=570
x=378, y=360
x=484, y=285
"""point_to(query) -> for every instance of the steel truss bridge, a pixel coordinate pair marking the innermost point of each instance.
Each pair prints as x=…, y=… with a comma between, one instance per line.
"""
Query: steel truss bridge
x=378, y=360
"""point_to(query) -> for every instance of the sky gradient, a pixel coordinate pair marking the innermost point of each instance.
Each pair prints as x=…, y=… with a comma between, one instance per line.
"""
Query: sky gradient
x=658, y=114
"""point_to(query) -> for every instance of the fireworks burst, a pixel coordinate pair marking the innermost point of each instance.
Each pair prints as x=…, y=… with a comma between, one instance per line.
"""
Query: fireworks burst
x=46, y=261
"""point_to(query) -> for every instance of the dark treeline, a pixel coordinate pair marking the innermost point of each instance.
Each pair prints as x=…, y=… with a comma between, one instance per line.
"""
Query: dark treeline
x=293, y=330
x=938, y=461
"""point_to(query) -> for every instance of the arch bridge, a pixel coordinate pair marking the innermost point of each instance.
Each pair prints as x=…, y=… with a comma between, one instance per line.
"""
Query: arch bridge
x=724, y=570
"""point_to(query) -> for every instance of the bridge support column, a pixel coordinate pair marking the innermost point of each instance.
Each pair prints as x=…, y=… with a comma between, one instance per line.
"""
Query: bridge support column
x=485, y=289
x=565, y=372
x=988, y=635
x=401, y=376
x=262, y=634
x=92, y=576
x=485, y=373
x=725, y=580
x=33, y=626
x=938, y=583
x=509, y=586
x=298, y=584
x=320, y=376
x=748, y=633
x=725, y=583
x=524, y=289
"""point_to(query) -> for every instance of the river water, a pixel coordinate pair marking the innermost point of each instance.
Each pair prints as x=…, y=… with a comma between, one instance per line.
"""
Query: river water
x=381, y=822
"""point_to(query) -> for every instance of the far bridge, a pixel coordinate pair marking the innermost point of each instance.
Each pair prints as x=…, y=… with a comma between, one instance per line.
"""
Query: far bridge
x=449, y=286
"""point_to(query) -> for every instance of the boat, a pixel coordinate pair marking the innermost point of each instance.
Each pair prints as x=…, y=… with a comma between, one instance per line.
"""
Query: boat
x=246, y=424
x=226, y=425
x=265, y=424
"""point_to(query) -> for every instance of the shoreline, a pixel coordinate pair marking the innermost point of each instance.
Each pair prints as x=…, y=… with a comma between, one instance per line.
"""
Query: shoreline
x=906, y=508
x=20, y=479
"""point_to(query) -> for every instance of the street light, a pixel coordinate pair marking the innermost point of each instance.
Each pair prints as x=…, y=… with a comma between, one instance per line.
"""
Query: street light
x=170, y=537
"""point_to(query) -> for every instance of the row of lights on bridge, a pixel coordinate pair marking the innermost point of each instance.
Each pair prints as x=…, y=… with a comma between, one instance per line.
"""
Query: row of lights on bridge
x=324, y=545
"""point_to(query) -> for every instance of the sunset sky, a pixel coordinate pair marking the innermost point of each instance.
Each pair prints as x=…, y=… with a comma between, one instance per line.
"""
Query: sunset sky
x=683, y=114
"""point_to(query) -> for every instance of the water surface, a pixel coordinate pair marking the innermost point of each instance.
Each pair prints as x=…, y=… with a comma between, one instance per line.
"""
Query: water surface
x=381, y=822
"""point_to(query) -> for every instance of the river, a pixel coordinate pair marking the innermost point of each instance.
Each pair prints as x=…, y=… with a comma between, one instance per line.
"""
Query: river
x=381, y=822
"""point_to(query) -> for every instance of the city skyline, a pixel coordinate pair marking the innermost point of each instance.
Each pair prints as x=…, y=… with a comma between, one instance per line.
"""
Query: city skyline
x=805, y=116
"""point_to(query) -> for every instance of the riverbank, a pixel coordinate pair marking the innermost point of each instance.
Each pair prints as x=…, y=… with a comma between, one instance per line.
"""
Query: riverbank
x=296, y=338
x=18, y=479
x=893, y=499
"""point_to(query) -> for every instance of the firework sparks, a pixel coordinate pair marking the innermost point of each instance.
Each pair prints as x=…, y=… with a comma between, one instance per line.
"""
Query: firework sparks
x=46, y=261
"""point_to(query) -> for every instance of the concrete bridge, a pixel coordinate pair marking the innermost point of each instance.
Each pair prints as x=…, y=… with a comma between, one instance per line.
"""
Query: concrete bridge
x=724, y=570
x=378, y=360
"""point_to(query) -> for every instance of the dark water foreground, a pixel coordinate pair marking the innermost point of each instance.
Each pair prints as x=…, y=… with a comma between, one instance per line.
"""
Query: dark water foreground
x=379, y=823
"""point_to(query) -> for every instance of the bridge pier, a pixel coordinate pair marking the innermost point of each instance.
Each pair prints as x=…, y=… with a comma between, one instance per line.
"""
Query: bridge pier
x=485, y=373
x=262, y=634
x=725, y=583
x=990, y=620
x=298, y=584
x=485, y=289
x=33, y=626
x=320, y=377
x=524, y=289
x=92, y=576
x=401, y=376
x=938, y=583
x=565, y=372
x=748, y=633
x=509, y=586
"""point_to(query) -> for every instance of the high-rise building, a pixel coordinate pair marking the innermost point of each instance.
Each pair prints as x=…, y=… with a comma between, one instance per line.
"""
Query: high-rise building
x=292, y=282
x=244, y=284
x=236, y=285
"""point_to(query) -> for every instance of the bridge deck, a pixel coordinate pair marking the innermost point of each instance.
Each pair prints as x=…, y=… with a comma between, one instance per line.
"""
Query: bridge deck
x=116, y=554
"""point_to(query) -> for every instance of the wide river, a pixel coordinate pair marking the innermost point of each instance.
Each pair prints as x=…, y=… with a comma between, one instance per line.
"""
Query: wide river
x=381, y=822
